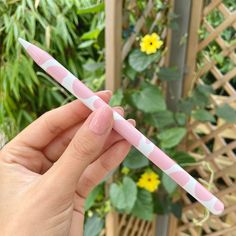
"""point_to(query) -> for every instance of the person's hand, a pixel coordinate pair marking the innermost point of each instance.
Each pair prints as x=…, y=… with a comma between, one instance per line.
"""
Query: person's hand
x=47, y=171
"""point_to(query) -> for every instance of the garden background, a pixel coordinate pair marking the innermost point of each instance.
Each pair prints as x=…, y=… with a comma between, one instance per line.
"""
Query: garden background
x=182, y=96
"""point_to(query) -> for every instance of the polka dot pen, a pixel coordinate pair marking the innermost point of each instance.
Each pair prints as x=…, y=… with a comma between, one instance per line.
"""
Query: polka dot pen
x=124, y=128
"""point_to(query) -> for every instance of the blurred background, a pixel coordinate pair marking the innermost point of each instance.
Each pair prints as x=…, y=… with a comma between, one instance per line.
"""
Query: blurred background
x=171, y=65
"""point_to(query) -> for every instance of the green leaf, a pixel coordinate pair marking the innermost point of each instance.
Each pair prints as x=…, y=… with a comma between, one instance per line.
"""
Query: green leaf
x=139, y=61
x=135, y=160
x=227, y=113
x=123, y=196
x=143, y=207
x=182, y=158
x=27, y=116
x=169, y=185
x=130, y=72
x=92, y=9
x=168, y=74
x=180, y=118
x=201, y=95
x=203, y=115
x=149, y=99
x=162, y=203
x=186, y=106
x=160, y=119
x=93, y=226
x=92, y=196
x=116, y=99
x=219, y=58
x=172, y=22
x=93, y=34
x=101, y=39
x=171, y=137
x=93, y=66
x=86, y=44
x=176, y=209
x=204, y=89
x=117, y=196
x=130, y=191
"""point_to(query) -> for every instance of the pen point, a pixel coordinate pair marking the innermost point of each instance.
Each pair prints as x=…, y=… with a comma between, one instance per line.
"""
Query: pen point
x=24, y=43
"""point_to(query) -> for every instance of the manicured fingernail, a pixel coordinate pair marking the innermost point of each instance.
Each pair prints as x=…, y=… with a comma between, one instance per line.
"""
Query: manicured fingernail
x=132, y=122
x=119, y=110
x=101, y=122
x=108, y=92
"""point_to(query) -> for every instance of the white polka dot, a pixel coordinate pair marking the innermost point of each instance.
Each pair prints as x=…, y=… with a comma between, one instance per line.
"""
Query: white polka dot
x=89, y=102
x=49, y=63
x=146, y=148
x=68, y=82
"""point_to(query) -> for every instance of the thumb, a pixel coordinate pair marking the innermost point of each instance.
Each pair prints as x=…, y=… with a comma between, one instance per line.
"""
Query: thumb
x=83, y=149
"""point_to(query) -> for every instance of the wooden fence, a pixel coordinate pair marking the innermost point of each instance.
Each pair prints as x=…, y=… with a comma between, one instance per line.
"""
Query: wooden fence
x=211, y=142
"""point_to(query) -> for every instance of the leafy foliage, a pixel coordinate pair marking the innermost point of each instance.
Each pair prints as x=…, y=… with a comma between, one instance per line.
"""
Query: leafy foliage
x=161, y=119
x=182, y=158
x=143, y=207
x=169, y=185
x=135, y=160
x=59, y=31
x=171, y=137
x=203, y=115
x=117, y=98
x=91, y=9
x=148, y=99
x=227, y=113
x=92, y=196
x=120, y=194
x=169, y=74
x=93, y=226
x=139, y=61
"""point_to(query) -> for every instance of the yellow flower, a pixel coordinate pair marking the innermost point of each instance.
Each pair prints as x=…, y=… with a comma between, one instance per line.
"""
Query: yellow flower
x=149, y=181
x=150, y=43
x=125, y=170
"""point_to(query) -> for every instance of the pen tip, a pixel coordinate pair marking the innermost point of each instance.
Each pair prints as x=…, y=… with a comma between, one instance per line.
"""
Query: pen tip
x=24, y=43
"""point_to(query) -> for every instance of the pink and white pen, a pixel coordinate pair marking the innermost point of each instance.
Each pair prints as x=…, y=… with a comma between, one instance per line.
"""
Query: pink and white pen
x=124, y=128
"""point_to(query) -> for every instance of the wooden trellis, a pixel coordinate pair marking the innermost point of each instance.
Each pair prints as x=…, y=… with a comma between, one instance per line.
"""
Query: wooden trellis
x=129, y=226
x=211, y=142
x=120, y=224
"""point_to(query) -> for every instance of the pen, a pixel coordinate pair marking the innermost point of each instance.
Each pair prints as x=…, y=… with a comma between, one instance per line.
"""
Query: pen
x=124, y=128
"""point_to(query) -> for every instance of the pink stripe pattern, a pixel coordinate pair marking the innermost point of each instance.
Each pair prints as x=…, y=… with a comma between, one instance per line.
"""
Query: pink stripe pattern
x=125, y=129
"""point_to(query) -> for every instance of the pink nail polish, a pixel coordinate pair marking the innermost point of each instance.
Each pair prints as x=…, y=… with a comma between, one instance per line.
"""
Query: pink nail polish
x=120, y=110
x=109, y=92
x=132, y=121
x=101, y=122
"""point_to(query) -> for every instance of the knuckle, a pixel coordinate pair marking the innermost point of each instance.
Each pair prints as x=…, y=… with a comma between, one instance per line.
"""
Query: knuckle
x=84, y=148
x=79, y=204
x=65, y=141
x=105, y=165
x=52, y=126
x=88, y=182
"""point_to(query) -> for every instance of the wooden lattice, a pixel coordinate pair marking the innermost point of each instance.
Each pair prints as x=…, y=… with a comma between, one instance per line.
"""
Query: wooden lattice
x=132, y=226
x=122, y=224
x=212, y=142
x=127, y=225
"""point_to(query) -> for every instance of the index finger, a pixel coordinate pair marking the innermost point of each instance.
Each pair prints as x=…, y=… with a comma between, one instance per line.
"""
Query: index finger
x=43, y=130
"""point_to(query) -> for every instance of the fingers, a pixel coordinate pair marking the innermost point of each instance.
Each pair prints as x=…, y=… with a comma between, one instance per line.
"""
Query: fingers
x=98, y=170
x=42, y=131
x=56, y=148
x=83, y=149
x=76, y=227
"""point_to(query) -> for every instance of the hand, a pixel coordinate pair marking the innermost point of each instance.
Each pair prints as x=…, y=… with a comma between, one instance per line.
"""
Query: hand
x=48, y=170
